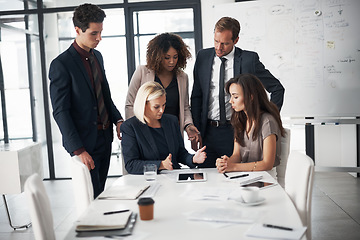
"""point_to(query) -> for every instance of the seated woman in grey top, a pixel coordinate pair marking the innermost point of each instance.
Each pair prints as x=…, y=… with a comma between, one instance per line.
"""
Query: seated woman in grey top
x=257, y=127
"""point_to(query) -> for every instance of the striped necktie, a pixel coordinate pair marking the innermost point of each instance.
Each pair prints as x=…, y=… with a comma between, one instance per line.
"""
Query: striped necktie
x=98, y=91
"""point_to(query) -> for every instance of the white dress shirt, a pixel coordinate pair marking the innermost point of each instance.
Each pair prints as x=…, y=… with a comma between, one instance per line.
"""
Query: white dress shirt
x=214, y=107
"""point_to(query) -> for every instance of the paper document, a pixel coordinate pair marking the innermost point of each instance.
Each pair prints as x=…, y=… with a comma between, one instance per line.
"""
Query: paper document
x=242, y=180
x=224, y=215
x=258, y=230
x=96, y=220
x=123, y=192
x=208, y=193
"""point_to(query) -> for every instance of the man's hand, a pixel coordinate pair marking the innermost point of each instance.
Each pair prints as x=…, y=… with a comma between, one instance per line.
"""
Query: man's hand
x=87, y=160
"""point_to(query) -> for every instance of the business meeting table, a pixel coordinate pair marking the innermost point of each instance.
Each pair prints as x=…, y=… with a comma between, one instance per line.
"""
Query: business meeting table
x=203, y=210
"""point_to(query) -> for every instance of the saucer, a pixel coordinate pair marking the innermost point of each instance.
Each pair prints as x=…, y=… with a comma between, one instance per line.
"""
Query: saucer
x=260, y=201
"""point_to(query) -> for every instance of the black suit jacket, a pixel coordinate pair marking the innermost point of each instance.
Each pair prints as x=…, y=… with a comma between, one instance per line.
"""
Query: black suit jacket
x=244, y=62
x=74, y=102
x=139, y=147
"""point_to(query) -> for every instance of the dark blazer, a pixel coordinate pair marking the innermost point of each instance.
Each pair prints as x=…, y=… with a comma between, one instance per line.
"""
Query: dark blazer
x=139, y=148
x=244, y=62
x=74, y=102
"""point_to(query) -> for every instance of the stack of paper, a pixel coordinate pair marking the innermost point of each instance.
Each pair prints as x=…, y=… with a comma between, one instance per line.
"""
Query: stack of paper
x=127, y=192
x=95, y=221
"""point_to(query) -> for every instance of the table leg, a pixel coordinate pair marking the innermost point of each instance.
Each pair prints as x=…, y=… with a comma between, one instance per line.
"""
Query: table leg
x=8, y=214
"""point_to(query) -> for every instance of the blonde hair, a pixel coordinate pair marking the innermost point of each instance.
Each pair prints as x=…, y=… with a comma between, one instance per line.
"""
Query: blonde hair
x=147, y=92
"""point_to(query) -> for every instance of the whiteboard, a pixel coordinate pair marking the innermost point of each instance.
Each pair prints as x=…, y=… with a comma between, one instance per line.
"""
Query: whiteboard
x=311, y=46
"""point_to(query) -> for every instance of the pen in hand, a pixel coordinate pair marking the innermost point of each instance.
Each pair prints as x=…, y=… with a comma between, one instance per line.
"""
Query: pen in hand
x=277, y=227
x=114, y=212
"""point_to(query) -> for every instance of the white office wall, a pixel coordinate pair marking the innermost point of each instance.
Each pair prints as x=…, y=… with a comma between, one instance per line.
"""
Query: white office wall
x=207, y=19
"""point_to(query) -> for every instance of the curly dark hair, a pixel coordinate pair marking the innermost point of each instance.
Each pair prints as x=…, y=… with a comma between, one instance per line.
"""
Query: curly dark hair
x=87, y=13
x=160, y=45
x=256, y=102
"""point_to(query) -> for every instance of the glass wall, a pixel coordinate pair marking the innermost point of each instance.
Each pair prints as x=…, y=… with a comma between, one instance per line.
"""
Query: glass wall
x=113, y=48
x=149, y=23
x=26, y=54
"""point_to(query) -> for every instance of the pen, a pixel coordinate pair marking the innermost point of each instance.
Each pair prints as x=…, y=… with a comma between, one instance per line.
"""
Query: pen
x=239, y=176
x=225, y=175
x=114, y=212
x=277, y=227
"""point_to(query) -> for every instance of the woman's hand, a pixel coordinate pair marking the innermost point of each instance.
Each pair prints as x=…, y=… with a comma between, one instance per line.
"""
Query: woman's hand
x=166, y=164
x=192, y=132
x=222, y=163
x=200, y=156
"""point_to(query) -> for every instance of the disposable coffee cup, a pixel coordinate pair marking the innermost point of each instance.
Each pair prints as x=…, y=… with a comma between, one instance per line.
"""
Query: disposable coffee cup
x=250, y=194
x=146, y=208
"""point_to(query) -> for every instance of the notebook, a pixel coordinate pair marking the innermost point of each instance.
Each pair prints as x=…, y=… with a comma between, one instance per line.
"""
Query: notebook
x=122, y=192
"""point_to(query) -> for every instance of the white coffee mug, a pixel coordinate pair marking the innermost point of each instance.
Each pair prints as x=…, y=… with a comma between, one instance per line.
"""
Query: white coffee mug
x=250, y=194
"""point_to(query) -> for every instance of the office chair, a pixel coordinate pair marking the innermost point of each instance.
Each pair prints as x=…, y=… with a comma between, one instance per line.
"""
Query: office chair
x=285, y=150
x=40, y=209
x=82, y=185
x=299, y=179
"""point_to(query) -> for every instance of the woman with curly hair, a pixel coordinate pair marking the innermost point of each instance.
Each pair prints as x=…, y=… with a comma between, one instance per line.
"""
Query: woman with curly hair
x=257, y=128
x=166, y=58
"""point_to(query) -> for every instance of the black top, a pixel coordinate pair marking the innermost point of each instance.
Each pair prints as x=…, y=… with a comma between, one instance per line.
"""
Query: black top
x=160, y=141
x=172, y=97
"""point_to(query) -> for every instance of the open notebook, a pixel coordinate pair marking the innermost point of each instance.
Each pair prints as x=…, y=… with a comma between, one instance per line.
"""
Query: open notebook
x=129, y=192
x=96, y=221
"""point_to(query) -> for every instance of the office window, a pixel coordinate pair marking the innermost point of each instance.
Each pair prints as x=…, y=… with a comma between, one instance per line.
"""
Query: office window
x=11, y=5
x=27, y=83
x=148, y=24
x=70, y=3
x=113, y=49
x=16, y=82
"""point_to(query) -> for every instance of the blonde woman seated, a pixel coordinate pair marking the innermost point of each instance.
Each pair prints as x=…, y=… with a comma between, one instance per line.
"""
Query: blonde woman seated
x=153, y=137
x=257, y=128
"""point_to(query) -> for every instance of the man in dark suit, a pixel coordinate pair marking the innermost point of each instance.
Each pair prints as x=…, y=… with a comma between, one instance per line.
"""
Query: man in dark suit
x=80, y=97
x=210, y=107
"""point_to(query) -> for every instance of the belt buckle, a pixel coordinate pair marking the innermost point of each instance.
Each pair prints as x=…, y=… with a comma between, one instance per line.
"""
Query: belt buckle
x=217, y=123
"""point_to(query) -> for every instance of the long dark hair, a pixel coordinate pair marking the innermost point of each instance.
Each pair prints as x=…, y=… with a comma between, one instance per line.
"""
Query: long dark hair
x=256, y=102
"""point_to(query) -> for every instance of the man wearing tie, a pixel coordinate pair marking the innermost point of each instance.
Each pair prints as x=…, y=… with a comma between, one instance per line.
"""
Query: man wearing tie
x=80, y=97
x=210, y=105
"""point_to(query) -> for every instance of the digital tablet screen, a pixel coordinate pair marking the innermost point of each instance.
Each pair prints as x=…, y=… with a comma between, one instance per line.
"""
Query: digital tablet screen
x=185, y=177
x=259, y=184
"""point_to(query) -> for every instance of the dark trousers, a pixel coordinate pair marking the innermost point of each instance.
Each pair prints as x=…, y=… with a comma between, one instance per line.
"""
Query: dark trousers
x=219, y=141
x=101, y=156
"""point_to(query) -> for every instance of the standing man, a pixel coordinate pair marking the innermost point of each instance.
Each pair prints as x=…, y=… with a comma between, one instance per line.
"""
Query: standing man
x=210, y=105
x=80, y=97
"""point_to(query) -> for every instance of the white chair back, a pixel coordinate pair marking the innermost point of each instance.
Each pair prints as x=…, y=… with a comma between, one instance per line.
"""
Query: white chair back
x=82, y=185
x=40, y=209
x=299, y=181
x=285, y=150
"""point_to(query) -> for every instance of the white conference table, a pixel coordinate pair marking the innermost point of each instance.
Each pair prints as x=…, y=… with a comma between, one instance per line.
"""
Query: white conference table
x=173, y=205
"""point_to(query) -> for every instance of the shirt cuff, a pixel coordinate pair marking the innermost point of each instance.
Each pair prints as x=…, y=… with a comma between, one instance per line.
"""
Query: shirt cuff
x=79, y=151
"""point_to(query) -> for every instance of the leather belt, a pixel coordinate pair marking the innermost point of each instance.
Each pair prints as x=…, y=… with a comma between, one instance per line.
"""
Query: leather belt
x=103, y=126
x=216, y=123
